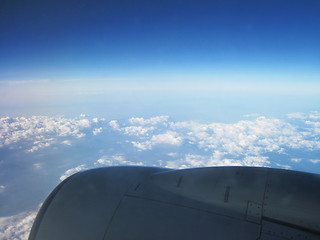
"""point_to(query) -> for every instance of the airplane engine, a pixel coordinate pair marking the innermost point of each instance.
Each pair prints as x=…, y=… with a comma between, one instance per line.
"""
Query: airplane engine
x=145, y=203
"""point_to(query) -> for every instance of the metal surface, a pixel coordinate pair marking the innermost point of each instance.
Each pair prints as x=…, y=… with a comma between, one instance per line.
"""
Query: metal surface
x=126, y=203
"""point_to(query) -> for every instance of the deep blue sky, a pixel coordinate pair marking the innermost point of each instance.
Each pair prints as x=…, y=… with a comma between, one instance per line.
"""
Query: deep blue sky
x=191, y=58
x=91, y=39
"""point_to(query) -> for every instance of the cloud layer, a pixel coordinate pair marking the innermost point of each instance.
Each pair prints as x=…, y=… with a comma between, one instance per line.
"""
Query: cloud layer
x=42, y=131
x=290, y=142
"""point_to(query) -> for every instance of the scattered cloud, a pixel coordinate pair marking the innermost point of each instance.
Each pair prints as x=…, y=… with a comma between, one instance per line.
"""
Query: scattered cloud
x=72, y=171
x=41, y=131
x=298, y=115
x=137, y=130
x=67, y=142
x=315, y=161
x=96, y=131
x=114, y=124
x=195, y=161
x=172, y=154
x=150, y=121
x=17, y=226
x=315, y=115
x=296, y=160
x=115, y=160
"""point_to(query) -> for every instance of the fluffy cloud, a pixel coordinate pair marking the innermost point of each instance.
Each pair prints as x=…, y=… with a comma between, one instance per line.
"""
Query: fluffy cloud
x=42, y=131
x=72, y=171
x=17, y=226
x=244, y=143
x=169, y=137
x=115, y=160
x=114, y=124
x=242, y=138
x=195, y=161
x=104, y=161
x=137, y=130
x=96, y=131
x=150, y=121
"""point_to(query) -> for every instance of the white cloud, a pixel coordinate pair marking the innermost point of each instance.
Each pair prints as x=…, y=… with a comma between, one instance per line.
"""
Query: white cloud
x=115, y=160
x=315, y=161
x=80, y=135
x=17, y=226
x=73, y=171
x=244, y=143
x=96, y=131
x=151, y=121
x=142, y=145
x=66, y=142
x=194, y=161
x=137, y=130
x=2, y=188
x=169, y=137
x=41, y=130
x=283, y=166
x=114, y=124
x=296, y=160
x=315, y=115
x=172, y=154
x=298, y=115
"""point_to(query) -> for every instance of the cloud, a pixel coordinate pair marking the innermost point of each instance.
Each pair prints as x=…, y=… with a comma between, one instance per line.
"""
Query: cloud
x=150, y=121
x=283, y=166
x=298, y=115
x=169, y=137
x=17, y=226
x=66, y=142
x=315, y=161
x=115, y=160
x=172, y=154
x=296, y=160
x=251, y=115
x=195, y=161
x=137, y=130
x=244, y=143
x=315, y=115
x=2, y=188
x=96, y=131
x=104, y=161
x=37, y=165
x=40, y=131
x=72, y=171
x=114, y=124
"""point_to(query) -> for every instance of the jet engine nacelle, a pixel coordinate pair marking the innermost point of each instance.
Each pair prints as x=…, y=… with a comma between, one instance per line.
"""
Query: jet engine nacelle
x=142, y=203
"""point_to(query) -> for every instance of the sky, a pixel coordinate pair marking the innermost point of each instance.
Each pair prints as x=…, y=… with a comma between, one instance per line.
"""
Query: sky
x=241, y=54
x=164, y=83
